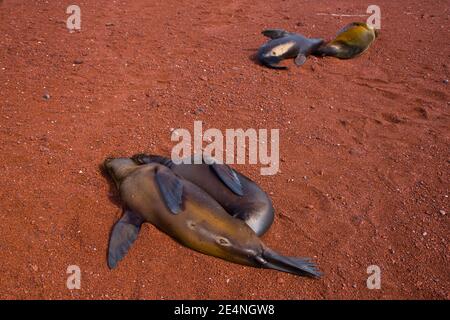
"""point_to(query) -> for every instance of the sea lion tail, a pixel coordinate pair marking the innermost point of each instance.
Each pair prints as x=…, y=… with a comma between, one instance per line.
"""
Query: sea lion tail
x=298, y=266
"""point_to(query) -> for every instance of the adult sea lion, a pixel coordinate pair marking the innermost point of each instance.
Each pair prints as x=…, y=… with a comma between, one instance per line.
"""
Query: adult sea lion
x=154, y=193
x=286, y=45
x=351, y=41
x=238, y=195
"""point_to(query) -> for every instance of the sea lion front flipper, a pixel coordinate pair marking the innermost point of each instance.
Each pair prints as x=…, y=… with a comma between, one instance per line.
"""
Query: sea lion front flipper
x=275, y=33
x=123, y=235
x=229, y=177
x=171, y=189
x=300, y=59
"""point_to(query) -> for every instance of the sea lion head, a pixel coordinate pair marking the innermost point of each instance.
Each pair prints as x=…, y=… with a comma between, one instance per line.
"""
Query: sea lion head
x=119, y=168
x=237, y=246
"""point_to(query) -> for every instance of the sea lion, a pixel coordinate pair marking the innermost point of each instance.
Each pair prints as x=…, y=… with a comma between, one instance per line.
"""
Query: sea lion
x=238, y=195
x=350, y=42
x=286, y=45
x=154, y=193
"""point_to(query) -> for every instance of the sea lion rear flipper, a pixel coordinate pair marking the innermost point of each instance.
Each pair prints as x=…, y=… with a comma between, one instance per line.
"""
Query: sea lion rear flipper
x=300, y=59
x=229, y=177
x=275, y=33
x=171, y=189
x=123, y=235
x=299, y=266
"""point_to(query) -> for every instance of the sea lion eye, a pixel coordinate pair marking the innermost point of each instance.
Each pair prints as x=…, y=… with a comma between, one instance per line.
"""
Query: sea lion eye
x=223, y=241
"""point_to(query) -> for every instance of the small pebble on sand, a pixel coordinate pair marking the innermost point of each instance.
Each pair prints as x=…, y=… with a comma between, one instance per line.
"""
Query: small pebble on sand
x=199, y=111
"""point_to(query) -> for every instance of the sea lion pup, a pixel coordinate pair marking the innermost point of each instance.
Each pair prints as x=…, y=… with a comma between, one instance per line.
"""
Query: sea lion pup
x=238, y=195
x=350, y=42
x=286, y=45
x=154, y=193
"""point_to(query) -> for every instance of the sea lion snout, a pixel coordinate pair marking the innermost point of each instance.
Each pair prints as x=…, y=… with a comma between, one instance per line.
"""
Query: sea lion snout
x=108, y=167
x=107, y=162
x=118, y=168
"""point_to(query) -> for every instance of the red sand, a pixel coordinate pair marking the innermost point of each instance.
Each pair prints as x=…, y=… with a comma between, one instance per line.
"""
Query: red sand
x=370, y=134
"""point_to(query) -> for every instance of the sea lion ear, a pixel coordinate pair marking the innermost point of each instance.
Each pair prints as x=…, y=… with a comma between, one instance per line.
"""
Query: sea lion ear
x=228, y=176
x=171, y=189
x=300, y=59
x=275, y=33
x=123, y=235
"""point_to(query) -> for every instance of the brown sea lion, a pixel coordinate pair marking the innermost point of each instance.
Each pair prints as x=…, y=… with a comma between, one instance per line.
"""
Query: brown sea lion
x=350, y=42
x=286, y=45
x=154, y=193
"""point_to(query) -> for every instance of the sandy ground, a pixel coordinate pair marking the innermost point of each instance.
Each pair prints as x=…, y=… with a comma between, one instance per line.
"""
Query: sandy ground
x=364, y=144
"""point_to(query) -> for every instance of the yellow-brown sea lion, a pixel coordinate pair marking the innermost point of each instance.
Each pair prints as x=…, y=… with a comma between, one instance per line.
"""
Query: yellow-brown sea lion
x=238, y=195
x=153, y=193
x=285, y=45
x=351, y=41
